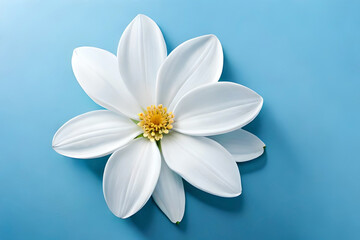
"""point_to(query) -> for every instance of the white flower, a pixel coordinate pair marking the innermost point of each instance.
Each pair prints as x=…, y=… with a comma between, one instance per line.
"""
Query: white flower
x=159, y=111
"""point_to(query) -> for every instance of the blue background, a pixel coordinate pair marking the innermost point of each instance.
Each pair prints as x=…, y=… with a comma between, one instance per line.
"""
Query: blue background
x=303, y=57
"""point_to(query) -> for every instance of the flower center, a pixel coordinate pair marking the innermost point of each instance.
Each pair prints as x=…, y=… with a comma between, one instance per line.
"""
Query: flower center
x=156, y=121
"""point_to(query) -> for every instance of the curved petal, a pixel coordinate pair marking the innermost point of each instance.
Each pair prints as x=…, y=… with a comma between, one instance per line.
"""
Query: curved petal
x=202, y=162
x=194, y=63
x=130, y=177
x=98, y=74
x=242, y=145
x=169, y=194
x=216, y=108
x=94, y=134
x=141, y=51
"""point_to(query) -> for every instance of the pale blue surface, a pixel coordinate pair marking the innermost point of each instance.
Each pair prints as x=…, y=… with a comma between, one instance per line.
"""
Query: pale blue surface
x=303, y=57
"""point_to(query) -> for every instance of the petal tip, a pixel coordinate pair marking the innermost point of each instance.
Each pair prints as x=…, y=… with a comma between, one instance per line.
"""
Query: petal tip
x=77, y=50
x=177, y=220
x=54, y=146
x=240, y=192
x=212, y=36
x=235, y=193
x=141, y=17
x=75, y=54
x=229, y=194
x=55, y=143
x=126, y=215
x=118, y=213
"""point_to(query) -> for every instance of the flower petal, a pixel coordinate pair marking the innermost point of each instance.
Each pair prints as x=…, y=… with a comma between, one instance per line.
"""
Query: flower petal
x=202, y=162
x=169, y=194
x=130, y=177
x=94, y=134
x=98, y=74
x=194, y=63
x=216, y=108
x=141, y=51
x=244, y=146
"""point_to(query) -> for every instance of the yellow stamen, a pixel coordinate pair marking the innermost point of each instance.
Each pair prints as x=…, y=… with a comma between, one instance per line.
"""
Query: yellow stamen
x=156, y=121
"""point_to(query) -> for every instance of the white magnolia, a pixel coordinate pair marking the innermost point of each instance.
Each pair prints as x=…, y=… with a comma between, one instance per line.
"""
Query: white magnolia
x=160, y=110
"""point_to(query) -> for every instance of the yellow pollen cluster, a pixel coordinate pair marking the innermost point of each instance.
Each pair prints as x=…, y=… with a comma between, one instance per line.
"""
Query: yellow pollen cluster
x=156, y=121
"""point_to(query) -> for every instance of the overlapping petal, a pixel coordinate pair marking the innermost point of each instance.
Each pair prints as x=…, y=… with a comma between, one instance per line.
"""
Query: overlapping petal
x=130, y=177
x=94, y=134
x=202, y=162
x=194, y=63
x=242, y=145
x=98, y=74
x=169, y=194
x=216, y=108
x=141, y=51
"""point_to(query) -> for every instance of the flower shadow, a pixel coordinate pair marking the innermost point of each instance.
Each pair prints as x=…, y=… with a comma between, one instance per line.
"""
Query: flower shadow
x=225, y=204
x=95, y=165
x=253, y=165
x=143, y=219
